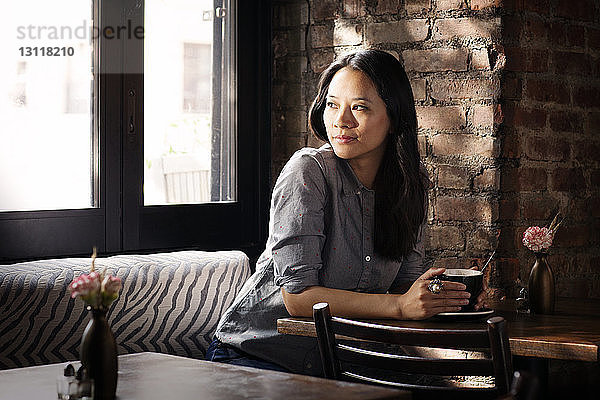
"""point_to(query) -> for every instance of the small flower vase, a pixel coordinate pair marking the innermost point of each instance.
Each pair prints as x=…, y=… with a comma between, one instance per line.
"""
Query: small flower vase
x=99, y=355
x=541, y=286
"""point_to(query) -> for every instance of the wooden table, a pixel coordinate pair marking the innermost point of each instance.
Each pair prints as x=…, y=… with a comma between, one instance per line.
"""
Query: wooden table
x=149, y=376
x=561, y=336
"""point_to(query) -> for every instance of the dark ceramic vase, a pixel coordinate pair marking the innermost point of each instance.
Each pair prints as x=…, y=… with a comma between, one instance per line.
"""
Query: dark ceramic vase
x=99, y=355
x=541, y=286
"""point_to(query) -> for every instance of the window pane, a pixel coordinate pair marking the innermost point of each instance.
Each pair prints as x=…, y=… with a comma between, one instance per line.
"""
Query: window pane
x=188, y=143
x=46, y=92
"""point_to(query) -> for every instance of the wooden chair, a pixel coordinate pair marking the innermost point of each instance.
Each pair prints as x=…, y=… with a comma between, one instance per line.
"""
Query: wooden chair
x=342, y=361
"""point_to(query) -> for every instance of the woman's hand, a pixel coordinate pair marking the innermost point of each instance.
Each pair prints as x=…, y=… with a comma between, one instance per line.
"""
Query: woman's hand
x=420, y=303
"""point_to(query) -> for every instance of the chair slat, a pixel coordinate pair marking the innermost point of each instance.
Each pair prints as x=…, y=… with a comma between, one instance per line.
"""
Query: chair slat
x=466, y=339
x=414, y=365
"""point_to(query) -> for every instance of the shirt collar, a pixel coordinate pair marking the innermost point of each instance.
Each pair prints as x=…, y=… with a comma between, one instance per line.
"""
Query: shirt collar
x=350, y=183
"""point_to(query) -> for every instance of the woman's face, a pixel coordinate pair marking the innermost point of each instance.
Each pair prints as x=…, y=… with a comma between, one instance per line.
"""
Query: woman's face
x=355, y=117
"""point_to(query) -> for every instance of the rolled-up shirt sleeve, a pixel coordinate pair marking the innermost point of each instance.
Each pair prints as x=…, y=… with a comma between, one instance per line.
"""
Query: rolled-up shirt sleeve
x=297, y=223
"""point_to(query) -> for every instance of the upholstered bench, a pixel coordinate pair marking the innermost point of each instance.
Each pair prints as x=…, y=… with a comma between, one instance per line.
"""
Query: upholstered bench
x=169, y=303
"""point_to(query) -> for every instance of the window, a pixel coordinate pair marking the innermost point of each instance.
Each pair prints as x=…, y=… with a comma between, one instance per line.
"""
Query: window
x=45, y=109
x=131, y=143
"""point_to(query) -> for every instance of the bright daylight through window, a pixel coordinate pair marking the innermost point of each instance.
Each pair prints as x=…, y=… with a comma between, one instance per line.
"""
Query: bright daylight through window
x=189, y=151
x=46, y=91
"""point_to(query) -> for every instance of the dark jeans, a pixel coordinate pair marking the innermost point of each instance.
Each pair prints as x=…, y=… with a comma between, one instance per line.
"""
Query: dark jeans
x=222, y=352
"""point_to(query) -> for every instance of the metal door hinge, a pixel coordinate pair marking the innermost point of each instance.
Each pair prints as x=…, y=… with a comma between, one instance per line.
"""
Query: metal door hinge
x=220, y=12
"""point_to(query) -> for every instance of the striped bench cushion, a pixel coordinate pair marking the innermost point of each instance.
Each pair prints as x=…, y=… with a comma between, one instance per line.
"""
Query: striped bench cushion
x=169, y=303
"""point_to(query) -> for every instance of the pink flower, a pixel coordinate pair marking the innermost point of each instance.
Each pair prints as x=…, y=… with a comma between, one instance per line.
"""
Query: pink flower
x=85, y=285
x=112, y=285
x=538, y=239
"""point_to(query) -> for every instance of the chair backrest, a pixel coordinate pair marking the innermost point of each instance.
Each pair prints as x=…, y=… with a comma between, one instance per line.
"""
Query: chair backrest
x=342, y=360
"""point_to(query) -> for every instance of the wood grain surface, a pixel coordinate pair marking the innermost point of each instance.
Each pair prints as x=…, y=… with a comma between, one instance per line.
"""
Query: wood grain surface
x=153, y=376
x=562, y=336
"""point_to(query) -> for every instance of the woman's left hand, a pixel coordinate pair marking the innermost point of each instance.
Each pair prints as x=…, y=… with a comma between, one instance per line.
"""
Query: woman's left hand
x=482, y=298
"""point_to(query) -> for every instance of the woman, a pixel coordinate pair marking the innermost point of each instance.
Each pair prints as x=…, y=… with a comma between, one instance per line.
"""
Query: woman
x=345, y=222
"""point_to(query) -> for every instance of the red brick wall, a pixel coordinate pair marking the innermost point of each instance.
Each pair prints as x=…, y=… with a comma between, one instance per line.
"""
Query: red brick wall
x=473, y=64
x=550, y=143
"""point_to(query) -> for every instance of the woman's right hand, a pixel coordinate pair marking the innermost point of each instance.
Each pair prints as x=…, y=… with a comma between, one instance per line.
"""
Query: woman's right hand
x=420, y=303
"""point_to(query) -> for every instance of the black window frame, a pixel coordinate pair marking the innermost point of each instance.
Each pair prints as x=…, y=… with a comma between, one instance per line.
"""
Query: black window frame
x=121, y=223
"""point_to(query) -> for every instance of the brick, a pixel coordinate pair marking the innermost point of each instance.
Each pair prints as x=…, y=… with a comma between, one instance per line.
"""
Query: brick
x=508, y=209
x=445, y=5
x=508, y=271
x=566, y=121
x=479, y=240
x=523, y=179
x=511, y=87
x=287, y=145
x=482, y=4
x=347, y=33
x=571, y=63
x=290, y=121
x=547, y=149
x=592, y=123
x=572, y=236
x=292, y=95
x=387, y=6
x=321, y=36
x=586, y=153
x=594, y=207
x=520, y=117
x=290, y=14
x=568, y=180
x=557, y=33
x=593, y=38
x=446, y=237
x=526, y=60
x=548, y=91
x=581, y=10
x=465, y=209
x=352, y=8
x=509, y=239
x=537, y=6
x=480, y=59
x=320, y=59
x=449, y=262
x=534, y=31
x=289, y=68
x=413, y=30
x=512, y=28
x=417, y=6
x=475, y=88
x=489, y=179
x=511, y=145
x=449, y=28
x=452, y=177
x=482, y=116
x=595, y=178
x=323, y=10
x=538, y=208
x=575, y=36
x=422, y=143
x=573, y=287
x=466, y=145
x=434, y=60
x=587, y=96
x=449, y=117
x=418, y=89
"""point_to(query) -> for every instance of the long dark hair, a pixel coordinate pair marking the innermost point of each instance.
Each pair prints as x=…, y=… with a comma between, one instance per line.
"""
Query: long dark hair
x=401, y=182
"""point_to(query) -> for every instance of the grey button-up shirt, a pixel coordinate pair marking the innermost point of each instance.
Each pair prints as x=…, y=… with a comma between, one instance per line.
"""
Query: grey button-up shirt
x=320, y=234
